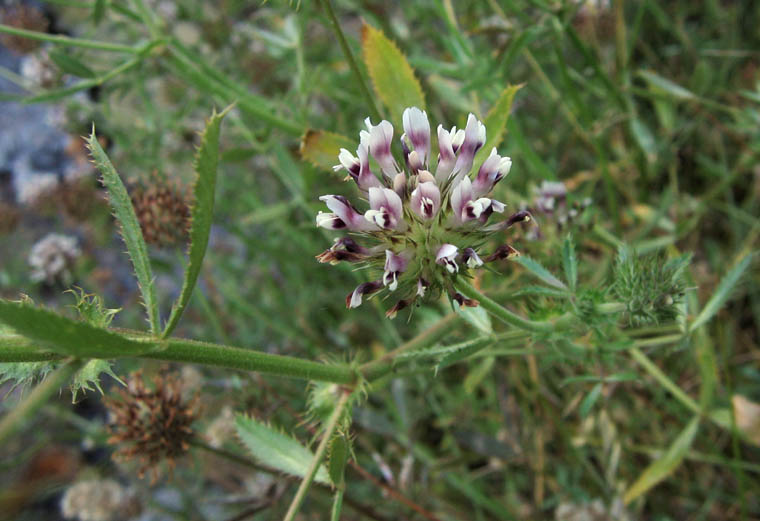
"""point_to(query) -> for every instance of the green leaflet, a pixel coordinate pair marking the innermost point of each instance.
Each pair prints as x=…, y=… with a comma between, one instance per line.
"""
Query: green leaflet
x=66, y=336
x=666, y=464
x=392, y=77
x=71, y=65
x=206, y=162
x=570, y=262
x=338, y=457
x=539, y=271
x=722, y=292
x=477, y=317
x=496, y=123
x=277, y=450
x=321, y=148
x=130, y=229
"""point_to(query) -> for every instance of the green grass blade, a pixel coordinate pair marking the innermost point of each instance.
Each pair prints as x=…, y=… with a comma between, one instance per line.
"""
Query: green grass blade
x=277, y=450
x=66, y=336
x=722, y=292
x=130, y=229
x=539, y=271
x=206, y=162
x=392, y=76
x=666, y=464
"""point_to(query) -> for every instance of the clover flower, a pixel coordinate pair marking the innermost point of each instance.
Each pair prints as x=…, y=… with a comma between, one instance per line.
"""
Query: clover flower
x=426, y=223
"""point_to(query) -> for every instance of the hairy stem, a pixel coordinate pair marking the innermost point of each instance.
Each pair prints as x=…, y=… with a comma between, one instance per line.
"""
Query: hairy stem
x=319, y=455
x=15, y=348
x=14, y=419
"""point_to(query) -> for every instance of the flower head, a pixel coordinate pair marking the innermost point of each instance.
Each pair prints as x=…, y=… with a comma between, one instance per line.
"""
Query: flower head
x=426, y=224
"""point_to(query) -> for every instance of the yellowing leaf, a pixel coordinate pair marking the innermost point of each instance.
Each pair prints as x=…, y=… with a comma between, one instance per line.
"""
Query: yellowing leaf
x=321, y=148
x=392, y=77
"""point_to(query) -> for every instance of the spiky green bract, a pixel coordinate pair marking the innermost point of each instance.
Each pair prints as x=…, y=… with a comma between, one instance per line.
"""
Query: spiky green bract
x=322, y=399
x=24, y=374
x=276, y=449
x=92, y=309
x=650, y=286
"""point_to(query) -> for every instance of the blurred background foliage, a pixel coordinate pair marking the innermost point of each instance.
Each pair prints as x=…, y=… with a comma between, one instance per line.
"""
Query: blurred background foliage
x=648, y=113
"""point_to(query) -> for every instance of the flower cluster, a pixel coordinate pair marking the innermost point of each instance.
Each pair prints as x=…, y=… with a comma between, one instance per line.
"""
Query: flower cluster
x=426, y=224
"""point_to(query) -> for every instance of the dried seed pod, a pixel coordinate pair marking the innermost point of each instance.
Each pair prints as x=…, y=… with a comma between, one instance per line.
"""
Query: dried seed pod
x=151, y=424
x=162, y=210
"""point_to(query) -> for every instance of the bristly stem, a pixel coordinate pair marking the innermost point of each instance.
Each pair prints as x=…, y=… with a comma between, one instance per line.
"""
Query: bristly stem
x=319, y=455
x=327, y=6
x=16, y=348
x=14, y=419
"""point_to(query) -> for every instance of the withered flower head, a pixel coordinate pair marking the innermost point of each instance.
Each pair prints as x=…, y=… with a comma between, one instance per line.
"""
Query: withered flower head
x=22, y=16
x=163, y=211
x=151, y=424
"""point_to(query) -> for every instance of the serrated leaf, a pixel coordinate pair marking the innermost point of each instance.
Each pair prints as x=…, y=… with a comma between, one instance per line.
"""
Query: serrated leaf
x=71, y=65
x=202, y=213
x=722, y=292
x=130, y=229
x=453, y=354
x=570, y=262
x=277, y=450
x=477, y=317
x=321, y=148
x=496, y=122
x=539, y=271
x=666, y=464
x=65, y=336
x=392, y=77
x=338, y=457
x=664, y=85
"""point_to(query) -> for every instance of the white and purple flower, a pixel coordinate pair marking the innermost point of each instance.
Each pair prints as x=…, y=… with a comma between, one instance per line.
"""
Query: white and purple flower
x=423, y=229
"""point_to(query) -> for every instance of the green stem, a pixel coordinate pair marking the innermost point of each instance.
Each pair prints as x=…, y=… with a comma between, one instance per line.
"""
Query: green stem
x=513, y=319
x=656, y=373
x=337, y=505
x=65, y=40
x=15, y=348
x=332, y=424
x=14, y=419
x=327, y=6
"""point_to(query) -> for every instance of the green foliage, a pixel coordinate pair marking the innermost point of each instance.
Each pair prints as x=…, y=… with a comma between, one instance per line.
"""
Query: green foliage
x=650, y=286
x=206, y=162
x=277, y=450
x=722, y=292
